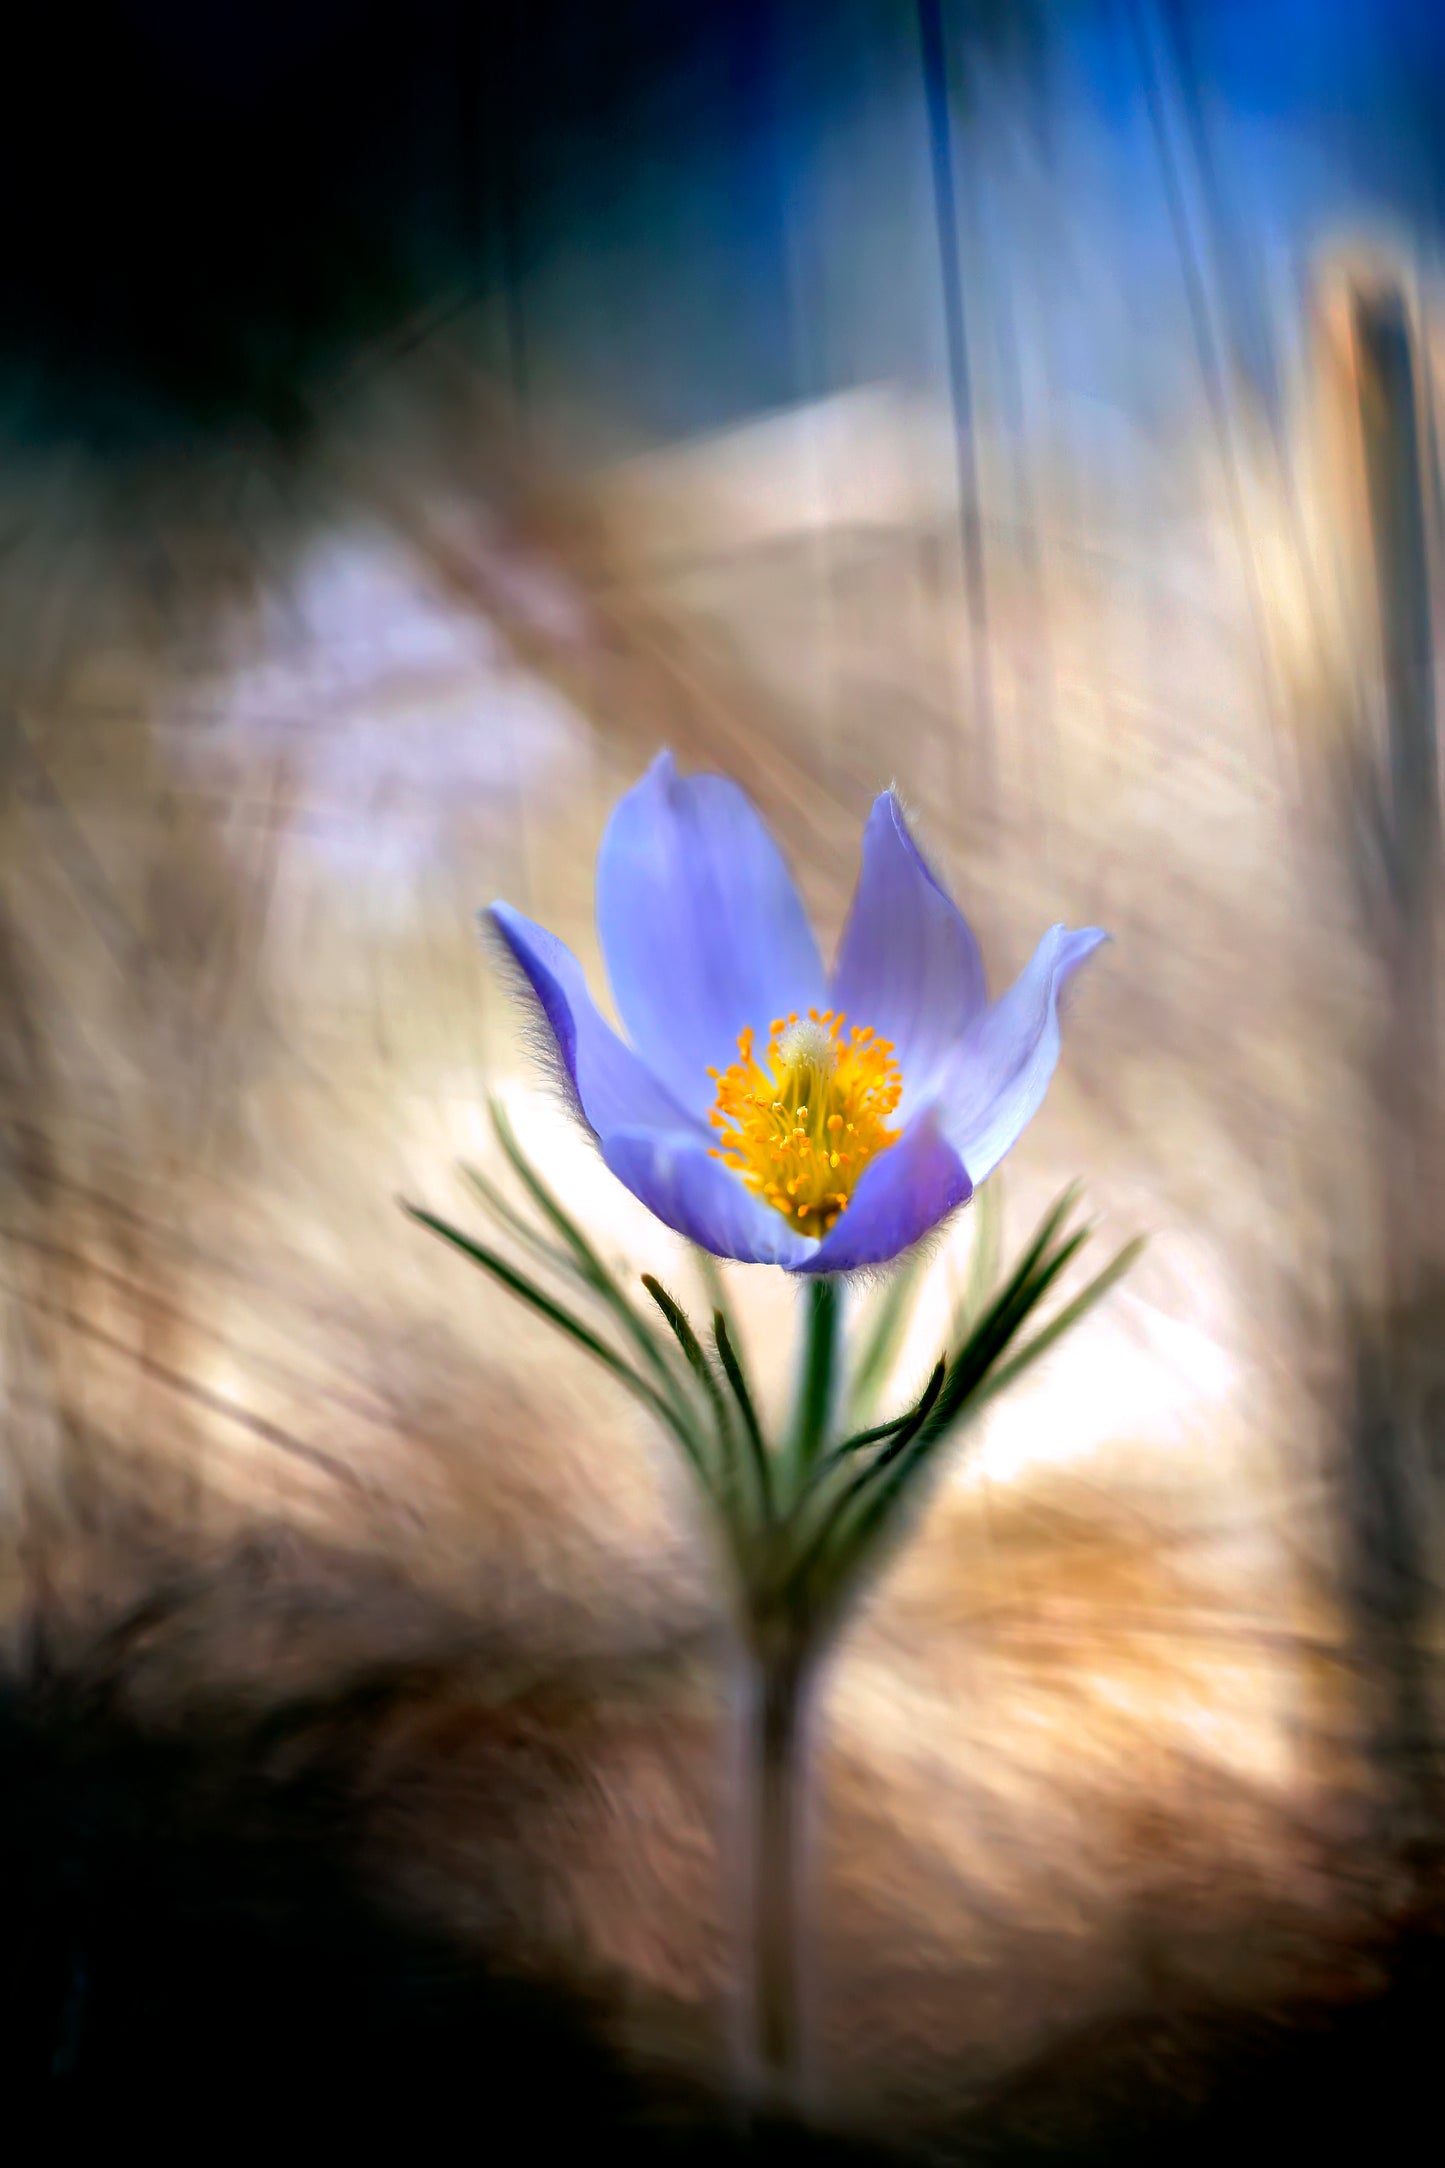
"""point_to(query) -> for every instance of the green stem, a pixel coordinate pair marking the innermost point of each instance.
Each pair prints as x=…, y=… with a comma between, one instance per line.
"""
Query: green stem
x=776, y=1778
x=820, y=1356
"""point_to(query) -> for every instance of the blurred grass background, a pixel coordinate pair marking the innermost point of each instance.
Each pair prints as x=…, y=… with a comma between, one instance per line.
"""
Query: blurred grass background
x=407, y=427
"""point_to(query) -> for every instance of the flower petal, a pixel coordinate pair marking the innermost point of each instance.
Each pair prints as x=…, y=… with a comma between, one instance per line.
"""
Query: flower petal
x=996, y=1083
x=613, y=1088
x=907, y=1190
x=701, y=926
x=678, y=1180
x=908, y=963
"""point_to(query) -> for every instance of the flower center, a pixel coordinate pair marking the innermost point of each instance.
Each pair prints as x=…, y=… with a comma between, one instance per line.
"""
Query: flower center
x=801, y=1125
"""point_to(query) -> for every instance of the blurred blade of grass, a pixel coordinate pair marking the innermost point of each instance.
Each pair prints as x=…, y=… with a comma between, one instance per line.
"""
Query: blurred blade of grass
x=880, y=1347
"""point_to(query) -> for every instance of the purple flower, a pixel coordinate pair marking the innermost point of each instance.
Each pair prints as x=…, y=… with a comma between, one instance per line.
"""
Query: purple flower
x=887, y=1090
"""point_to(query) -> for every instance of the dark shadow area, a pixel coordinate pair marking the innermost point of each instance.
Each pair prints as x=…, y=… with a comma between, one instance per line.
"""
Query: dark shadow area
x=194, y=1935
x=187, y=1918
x=194, y=1924
x=211, y=208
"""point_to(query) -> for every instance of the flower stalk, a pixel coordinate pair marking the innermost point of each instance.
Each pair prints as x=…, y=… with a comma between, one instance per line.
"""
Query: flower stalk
x=775, y=1779
x=821, y=1121
x=820, y=1358
x=805, y=1521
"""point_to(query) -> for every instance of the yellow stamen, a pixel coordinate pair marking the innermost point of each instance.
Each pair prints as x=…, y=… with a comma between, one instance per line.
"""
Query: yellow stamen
x=781, y=1120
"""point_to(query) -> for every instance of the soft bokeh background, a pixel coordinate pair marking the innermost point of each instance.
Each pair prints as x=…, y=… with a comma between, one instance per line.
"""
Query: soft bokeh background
x=410, y=428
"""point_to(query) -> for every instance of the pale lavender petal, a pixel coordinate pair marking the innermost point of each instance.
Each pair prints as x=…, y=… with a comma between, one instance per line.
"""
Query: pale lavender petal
x=906, y=1191
x=677, y=1179
x=613, y=1088
x=997, y=1080
x=908, y=963
x=701, y=926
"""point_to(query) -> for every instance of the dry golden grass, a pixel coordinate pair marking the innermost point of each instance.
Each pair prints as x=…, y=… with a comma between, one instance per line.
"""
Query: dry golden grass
x=272, y=737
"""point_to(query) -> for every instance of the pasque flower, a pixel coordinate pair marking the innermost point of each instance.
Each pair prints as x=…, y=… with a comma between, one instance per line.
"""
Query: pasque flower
x=821, y=1121
x=765, y=1108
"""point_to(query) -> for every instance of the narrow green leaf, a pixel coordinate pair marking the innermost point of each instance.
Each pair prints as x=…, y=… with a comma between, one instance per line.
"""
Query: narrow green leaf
x=941, y=1407
x=879, y=1431
x=692, y=1348
x=716, y=1297
x=908, y=1430
x=549, y=1204
x=682, y=1330
x=904, y=1430
x=1048, y=1227
x=996, y=1332
x=879, y=1510
x=752, y=1429
x=589, y=1263
x=1067, y=1318
x=873, y=1494
x=1030, y=1280
x=522, y=1230
x=538, y=1299
x=520, y=1285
